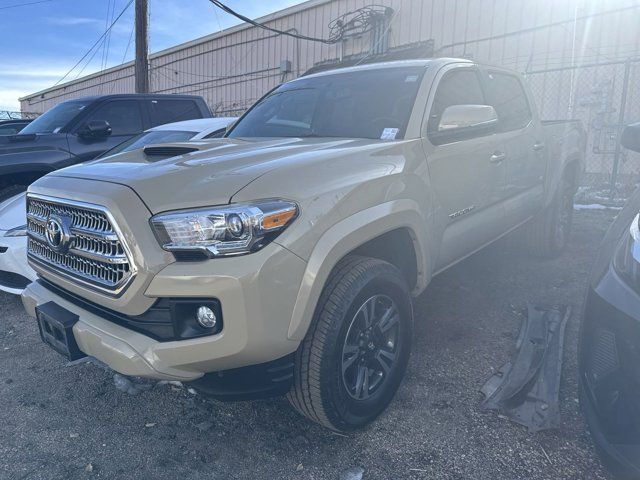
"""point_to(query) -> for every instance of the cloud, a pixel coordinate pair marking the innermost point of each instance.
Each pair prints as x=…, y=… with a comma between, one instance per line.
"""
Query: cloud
x=9, y=99
x=18, y=80
x=34, y=73
x=74, y=21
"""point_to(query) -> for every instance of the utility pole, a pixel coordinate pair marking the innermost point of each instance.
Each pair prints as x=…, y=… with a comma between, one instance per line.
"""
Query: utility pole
x=142, y=47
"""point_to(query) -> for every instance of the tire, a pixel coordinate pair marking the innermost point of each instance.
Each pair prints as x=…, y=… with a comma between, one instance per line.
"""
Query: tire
x=339, y=352
x=548, y=234
x=11, y=191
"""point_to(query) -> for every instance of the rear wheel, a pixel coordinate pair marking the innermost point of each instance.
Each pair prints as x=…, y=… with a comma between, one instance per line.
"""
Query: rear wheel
x=548, y=234
x=355, y=354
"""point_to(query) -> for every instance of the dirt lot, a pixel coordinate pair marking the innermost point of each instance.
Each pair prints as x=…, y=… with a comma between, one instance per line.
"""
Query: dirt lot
x=68, y=422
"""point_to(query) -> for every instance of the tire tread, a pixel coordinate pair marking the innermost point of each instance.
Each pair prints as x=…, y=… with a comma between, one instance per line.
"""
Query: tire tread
x=305, y=396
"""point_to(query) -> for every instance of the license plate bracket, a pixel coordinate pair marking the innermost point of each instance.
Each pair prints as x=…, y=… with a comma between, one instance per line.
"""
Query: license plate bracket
x=56, y=329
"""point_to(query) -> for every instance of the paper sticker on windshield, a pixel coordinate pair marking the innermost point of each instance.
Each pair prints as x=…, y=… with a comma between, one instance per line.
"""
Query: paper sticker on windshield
x=411, y=78
x=389, y=133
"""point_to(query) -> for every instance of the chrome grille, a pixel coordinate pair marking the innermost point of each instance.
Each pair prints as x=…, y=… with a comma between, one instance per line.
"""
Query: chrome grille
x=95, y=255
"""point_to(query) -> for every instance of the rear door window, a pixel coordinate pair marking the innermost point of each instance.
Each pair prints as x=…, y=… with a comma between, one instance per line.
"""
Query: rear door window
x=169, y=111
x=508, y=97
x=124, y=116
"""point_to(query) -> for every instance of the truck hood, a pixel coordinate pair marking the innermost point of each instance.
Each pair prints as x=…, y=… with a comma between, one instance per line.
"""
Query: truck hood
x=18, y=151
x=18, y=142
x=214, y=173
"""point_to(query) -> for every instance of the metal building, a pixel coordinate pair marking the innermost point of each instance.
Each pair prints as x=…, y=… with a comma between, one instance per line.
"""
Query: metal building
x=582, y=57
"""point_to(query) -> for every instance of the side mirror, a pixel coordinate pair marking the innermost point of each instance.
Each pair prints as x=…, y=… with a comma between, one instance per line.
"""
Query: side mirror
x=460, y=122
x=631, y=137
x=230, y=126
x=95, y=129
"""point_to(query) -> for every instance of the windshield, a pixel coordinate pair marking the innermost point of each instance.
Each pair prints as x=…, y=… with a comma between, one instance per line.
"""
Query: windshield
x=56, y=118
x=148, y=138
x=372, y=104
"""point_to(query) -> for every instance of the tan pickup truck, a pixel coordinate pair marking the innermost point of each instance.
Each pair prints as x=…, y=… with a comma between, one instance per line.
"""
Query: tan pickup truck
x=283, y=258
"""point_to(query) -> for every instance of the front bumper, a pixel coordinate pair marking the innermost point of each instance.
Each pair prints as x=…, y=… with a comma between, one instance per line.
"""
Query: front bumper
x=15, y=272
x=610, y=370
x=257, y=293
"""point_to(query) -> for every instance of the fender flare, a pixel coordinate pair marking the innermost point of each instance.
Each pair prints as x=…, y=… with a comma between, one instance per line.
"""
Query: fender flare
x=344, y=237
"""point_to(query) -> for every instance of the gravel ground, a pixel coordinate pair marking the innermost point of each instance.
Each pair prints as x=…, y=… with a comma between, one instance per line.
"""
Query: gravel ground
x=70, y=422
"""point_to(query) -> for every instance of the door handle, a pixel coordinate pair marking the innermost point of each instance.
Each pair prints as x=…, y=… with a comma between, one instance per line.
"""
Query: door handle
x=538, y=146
x=497, y=157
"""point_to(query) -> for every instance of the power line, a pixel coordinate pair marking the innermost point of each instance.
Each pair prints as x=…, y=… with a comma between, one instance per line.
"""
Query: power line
x=106, y=42
x=24, y=4
x=88, y=62
x=102, y=44
x=126, y=51
x=223, y=7
x=96, y=43
x=111, y=11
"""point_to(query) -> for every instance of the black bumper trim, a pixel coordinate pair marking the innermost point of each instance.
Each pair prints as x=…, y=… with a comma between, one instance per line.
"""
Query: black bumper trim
x=13, y=280
x=159, y=322
x=264, y=380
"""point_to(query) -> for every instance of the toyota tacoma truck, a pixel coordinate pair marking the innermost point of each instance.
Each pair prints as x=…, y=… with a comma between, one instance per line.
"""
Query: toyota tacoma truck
x=283, y=258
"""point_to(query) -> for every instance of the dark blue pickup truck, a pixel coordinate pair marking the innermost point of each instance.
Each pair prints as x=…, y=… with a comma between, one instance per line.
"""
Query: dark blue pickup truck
x=78, y=130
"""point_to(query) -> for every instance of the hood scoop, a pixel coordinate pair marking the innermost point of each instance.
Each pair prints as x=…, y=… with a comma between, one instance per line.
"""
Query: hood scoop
x=7, y=139
x=24, y=137
x=168, y=151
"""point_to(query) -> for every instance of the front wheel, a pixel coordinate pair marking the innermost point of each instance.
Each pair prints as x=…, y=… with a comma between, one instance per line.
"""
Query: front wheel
x=354, y=356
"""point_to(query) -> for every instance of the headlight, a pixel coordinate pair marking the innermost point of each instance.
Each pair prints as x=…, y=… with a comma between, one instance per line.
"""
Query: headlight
x=223, y=231
x=17, y=232
x=626, y=260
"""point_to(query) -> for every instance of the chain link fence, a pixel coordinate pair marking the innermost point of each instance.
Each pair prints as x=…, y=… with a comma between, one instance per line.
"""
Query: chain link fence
x=9, y=115
x=231, y=109
x=605, y=96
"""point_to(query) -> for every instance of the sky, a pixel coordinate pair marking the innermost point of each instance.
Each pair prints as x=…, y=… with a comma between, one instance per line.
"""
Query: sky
x=41, y=42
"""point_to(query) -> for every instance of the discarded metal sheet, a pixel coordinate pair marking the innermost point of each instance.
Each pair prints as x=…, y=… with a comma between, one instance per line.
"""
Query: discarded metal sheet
x=526, y=389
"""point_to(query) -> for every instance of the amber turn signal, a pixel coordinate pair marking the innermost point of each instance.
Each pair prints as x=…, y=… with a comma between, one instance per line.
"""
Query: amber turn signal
x=278, y=220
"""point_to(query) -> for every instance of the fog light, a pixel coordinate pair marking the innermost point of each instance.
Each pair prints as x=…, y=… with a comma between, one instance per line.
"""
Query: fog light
x=206, y=317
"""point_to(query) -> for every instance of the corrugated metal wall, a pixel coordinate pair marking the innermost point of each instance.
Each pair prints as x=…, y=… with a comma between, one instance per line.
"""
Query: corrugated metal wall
x=233, y=68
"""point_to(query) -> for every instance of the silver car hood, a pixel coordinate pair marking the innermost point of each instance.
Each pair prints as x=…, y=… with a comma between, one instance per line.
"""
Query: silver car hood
x=13, y=212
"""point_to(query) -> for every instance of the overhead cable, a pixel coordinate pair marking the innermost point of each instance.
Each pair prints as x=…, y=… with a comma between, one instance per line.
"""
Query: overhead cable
x=223, y=7
x=88, y=52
